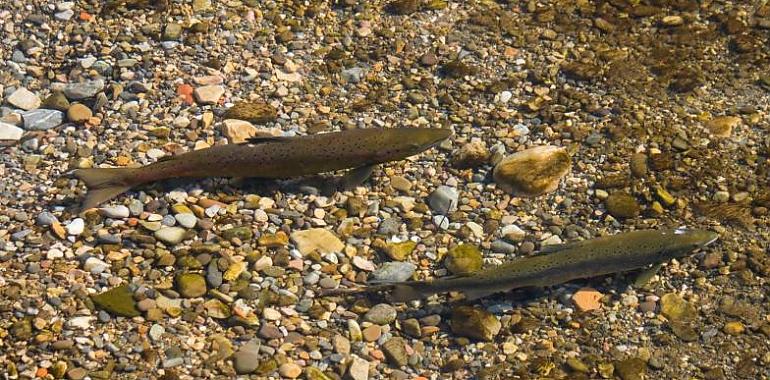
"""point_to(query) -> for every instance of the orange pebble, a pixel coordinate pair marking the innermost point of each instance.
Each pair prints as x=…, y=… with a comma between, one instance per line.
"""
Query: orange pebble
x=41, y=372
x=186, y=92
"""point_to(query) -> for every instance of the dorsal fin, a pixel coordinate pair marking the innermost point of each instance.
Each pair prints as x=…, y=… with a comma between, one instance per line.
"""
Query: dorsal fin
x=262, y=139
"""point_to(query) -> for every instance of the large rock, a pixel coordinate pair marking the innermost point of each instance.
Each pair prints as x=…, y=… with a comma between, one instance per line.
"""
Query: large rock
x=10, y=132
x=722, y=126
x=83, y=90
x=42, y=119
x=533, y=172
x=475, y=323
x=24, y=99
x=254, y=112
x=463, y=258
x=118, y=301
x=318, y=239
x=238, y=131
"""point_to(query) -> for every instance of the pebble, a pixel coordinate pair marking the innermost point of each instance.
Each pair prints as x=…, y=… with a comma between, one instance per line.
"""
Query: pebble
x=443, y=199
x=186, y=220
x=395, y=352
x=290, y=370
x=675, y=308
x=170, y=235
x=400, y=251
x=95, y=265
x=316, y=240
x=722, y=126
x=117, y=301
x=191, y=285
x=78, y=113
x=10, y=132
x=587, y=299
x=75, y=227
x=475, y=323
x=24, y=99
x=533, y=171
x=358, y=369
x=470, y=155
x=463, y=258
x=115, y=212
x=42, y=119
x=622, y=206
x=209, y=94
x=83, y=90
x=381, y=314
x=393, y=271
x=238, y=131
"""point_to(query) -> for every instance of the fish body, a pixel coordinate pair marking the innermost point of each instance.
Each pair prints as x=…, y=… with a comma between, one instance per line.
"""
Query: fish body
x=268, y=157
x=589, y=258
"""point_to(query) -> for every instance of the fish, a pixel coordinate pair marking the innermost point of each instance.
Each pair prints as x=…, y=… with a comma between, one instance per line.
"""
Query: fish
x=269, y=157
x=566, y=262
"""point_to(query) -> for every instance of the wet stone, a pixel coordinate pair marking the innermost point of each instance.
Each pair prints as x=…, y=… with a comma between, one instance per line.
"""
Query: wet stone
x=393, y=272
x=533, y=172
x=621, y=205
x=463, y=258
x=191, y=285
x=83, y=90
x=474, y=323
x=443, y=199
x=400, y=251
x=381, y=314
x=42, y=119
x=118, y=301
x=395, y=352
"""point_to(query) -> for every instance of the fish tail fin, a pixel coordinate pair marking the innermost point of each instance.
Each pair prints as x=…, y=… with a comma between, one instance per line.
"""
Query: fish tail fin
x=105, y=183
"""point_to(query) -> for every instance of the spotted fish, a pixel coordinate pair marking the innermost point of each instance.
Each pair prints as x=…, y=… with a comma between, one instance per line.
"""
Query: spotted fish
x=268, y=157
x=595, y=257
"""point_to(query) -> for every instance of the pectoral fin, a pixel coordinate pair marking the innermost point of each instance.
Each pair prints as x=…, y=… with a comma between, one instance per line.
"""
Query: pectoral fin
x=645, y=275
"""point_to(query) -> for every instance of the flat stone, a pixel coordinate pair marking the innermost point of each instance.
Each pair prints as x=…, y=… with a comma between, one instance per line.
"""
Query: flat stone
x=83, y=90
x=10, y=132
x=395, y=352
x=186, y=220
x=587, y=299
x=359, y=369
x=170, y=235
x=470, y=155
x=246, y=359
x=252, y=111
x=238, y=131
x=316, y=239
x=24, y=99
x=393, y=271
x=290, y=370
x=42, y=119
x=463, y=258
x=676, y=309
x=443, y=199
x=722, y=126
x=381, y=314
x=400, y=251
x=209, y=94
x=475, y=323
x=533, y=171
x=622, y=205
x=117, y=301
x=115, y=212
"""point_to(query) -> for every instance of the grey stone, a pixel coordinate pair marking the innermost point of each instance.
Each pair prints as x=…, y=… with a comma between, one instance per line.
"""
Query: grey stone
x=186, y=220
x=24, y=99
x=42, y=119
x=443, y=199
x=45, y=219
x=246, y=359
x=394, y=271
x=115, y=212
x=171, y=235
x=353, y=74
x=381, y=314
x=10, y=132
x=83, y=90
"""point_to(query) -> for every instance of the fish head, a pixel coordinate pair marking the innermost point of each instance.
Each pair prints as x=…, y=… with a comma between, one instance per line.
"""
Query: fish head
x=412, y=141
x=682, y=241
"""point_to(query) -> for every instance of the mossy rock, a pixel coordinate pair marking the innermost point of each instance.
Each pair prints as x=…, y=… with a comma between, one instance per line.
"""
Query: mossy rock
x=117, y=301
x=254, y=112
x=622, y=206
x=464, y=258
x=191, y=285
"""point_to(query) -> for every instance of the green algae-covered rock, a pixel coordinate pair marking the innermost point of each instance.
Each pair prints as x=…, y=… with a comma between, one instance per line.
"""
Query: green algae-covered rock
x=118, y=301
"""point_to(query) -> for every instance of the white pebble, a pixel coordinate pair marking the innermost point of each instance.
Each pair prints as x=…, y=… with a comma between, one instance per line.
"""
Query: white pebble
x=76, y=227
